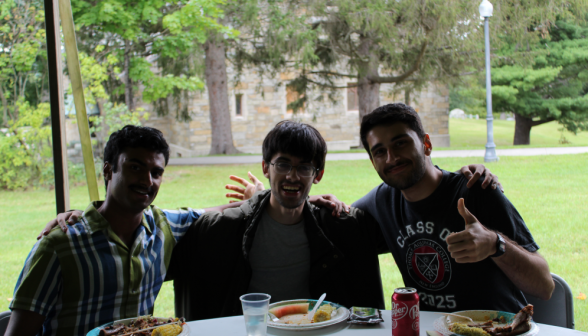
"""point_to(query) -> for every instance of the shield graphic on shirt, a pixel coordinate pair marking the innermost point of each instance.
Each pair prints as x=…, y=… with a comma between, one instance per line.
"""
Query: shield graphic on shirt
x=428, y=265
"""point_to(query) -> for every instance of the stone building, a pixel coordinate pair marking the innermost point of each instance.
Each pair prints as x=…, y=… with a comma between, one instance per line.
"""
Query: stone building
x=256, y=105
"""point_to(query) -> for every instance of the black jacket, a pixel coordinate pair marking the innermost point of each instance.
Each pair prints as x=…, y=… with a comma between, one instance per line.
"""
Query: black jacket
x=210, y=265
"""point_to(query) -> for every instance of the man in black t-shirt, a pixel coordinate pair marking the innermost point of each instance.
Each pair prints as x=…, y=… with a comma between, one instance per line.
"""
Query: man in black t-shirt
x=486, y=263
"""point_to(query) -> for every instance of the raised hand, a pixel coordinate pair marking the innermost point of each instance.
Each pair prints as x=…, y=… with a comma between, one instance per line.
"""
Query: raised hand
x=63, y=219
x=479, y=170
x=473, y=244
x=243, y=194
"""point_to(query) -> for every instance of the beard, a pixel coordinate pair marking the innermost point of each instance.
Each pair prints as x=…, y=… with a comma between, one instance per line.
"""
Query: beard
x=288, y=205
x=405, y=182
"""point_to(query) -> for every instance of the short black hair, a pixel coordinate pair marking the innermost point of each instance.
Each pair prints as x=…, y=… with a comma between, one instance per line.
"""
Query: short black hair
x=134, y=137
x=388, y=115
x=297, y=139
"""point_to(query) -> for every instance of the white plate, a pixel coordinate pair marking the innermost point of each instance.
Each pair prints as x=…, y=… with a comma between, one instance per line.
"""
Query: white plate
x=340, y=314
x=441, y=324
x=96, y=331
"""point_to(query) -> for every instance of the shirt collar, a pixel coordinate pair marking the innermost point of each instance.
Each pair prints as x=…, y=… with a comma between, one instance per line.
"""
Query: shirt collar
x=94, y=220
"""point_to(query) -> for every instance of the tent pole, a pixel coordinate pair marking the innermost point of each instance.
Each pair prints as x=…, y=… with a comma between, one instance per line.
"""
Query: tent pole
x=57, y=105
x=75, y=75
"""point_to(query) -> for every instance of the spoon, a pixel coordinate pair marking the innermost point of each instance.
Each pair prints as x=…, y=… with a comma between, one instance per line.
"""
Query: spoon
x=316, y=306
x=273, y=317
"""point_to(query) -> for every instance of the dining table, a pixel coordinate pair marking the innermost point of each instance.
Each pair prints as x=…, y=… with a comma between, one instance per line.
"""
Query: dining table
x=235, y=326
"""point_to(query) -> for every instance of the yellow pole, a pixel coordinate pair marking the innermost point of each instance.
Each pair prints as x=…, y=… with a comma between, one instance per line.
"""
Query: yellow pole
x=75, y=75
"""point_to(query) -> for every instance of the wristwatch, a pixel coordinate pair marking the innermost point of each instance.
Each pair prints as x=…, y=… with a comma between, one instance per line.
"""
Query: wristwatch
x=500, y=246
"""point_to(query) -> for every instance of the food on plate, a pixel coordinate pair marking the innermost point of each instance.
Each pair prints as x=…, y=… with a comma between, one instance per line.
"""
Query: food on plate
x=167, y=330
x=462, y=329
x=297, y=308
x=145, y=326
x=323, y=313
x=521, y=323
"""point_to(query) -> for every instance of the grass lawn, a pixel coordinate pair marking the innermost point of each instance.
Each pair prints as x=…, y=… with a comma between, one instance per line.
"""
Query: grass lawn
x=549, y=192
x=471, y=134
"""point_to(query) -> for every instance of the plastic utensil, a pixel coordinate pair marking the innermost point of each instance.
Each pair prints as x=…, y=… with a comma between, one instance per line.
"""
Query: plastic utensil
x=273, y=317
x=456, y=315
x=318, y=304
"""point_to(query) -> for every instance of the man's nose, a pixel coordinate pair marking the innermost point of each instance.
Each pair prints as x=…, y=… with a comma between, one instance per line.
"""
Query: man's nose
x=147, y=179
x=390, y=158
x=293, y=174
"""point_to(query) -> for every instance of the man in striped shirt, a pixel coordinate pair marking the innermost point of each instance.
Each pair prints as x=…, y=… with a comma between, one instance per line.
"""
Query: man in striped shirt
x=111, y=264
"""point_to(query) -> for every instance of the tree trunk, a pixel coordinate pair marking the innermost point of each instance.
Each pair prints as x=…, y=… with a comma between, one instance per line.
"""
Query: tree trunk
x=127, y=79
x=218, y=98
x=4, y=107
x=523, y=126
x=368, y=92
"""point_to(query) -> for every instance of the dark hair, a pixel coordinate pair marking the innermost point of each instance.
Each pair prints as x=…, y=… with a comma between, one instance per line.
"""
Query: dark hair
x=388, y=115
x=297, y=139
x=134, y=137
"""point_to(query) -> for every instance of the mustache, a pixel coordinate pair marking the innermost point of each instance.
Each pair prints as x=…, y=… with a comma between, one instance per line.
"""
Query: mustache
x=139, y=187
x=390, y=167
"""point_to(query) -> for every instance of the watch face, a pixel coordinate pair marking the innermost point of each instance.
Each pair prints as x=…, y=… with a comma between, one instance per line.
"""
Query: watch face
x=501, y=244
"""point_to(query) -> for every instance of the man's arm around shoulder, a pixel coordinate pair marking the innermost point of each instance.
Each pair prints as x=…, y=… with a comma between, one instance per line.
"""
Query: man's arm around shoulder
x=367, y=221
x=24, y=323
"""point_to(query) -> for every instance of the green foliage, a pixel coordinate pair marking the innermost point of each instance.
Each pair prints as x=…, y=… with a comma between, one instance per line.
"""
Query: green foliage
x=22, y=59
x=160, y=39
x=93, y=75
x=116, y=117
x=326, y=44
x=554, y=87
x=25, y=150
x=468, y=96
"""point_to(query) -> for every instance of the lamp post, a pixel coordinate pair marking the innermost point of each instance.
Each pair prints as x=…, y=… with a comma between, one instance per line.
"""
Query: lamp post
x=486, y=9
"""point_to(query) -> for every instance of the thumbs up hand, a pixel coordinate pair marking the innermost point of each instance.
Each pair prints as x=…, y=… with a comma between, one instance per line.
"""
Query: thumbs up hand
x=474, y=243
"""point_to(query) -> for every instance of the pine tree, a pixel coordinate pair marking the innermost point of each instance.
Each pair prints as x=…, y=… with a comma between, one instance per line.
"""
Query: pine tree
x=372, y=42
x=553, y=88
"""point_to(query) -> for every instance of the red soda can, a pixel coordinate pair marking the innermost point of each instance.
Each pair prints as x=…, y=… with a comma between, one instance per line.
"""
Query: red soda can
x=405, y=312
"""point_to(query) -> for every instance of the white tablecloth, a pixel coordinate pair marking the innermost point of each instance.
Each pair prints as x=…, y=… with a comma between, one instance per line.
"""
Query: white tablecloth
x=235, y=326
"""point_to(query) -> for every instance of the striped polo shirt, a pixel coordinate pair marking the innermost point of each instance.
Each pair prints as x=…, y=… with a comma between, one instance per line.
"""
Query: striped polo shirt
x=87, y=276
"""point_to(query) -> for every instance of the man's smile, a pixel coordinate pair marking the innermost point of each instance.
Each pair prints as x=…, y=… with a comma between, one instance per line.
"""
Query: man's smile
x=397, y=168
x=141, y=190
x=290, y=189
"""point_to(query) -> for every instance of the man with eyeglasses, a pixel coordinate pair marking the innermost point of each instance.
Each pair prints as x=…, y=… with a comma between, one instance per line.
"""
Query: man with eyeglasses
x=277, y=242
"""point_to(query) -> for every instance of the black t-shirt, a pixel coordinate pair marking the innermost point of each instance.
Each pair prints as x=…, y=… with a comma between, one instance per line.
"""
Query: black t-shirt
x=415, y=233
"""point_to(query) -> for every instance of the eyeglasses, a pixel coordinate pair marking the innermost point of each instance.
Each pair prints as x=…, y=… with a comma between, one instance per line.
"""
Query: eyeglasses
x=286, y=168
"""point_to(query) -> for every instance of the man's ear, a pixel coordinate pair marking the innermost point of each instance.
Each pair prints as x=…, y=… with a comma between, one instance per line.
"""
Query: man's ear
x=107, y=171
x=318, y=177
x=265, y=167
x=428, y=145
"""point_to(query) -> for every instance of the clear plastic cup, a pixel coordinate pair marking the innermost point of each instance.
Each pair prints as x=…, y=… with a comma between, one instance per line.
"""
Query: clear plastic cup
x=255, y=308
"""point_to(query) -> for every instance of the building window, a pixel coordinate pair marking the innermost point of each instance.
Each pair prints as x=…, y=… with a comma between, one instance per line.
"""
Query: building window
x=239, y=104
x=293, y=97
x=352, y=98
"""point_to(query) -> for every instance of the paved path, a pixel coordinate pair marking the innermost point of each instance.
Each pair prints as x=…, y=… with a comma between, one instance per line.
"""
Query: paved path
x=240, y=159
